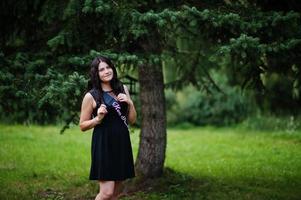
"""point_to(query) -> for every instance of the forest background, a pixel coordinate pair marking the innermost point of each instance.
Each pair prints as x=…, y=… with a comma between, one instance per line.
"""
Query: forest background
x=187, y=64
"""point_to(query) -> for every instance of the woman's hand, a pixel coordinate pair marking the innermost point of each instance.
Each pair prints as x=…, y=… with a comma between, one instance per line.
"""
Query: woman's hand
x=123, y=98
x=132, y=115
x=101, y=112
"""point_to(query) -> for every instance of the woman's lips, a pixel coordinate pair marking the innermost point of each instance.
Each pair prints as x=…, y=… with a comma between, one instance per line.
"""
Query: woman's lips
x=107, y=76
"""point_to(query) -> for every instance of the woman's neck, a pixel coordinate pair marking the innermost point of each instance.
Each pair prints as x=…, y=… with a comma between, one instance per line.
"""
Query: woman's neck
x=106, y=86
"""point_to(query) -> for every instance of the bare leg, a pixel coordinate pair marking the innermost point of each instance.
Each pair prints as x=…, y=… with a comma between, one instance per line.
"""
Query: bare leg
x=106, y=190
x=97, y=196
x=117, y=190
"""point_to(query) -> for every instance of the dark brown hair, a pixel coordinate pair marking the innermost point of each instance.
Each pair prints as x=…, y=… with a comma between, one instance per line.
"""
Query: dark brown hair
x=95, y=82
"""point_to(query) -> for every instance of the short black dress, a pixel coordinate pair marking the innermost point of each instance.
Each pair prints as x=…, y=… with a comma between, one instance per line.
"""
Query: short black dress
x=111, y=150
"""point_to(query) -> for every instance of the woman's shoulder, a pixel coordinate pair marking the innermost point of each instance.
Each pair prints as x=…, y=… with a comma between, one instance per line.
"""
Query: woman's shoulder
x=89, y=99
x=88, y=96
x=93, y=92
x=125, y=88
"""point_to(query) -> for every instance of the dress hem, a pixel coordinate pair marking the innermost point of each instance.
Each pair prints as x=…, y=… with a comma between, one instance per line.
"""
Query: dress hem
x=110, y=179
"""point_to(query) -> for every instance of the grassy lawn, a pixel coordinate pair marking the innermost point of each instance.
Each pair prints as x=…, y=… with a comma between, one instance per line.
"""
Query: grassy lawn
x=201, y=163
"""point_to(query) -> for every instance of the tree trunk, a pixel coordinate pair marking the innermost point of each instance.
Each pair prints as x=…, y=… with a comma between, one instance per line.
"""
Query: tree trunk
x=151, y=153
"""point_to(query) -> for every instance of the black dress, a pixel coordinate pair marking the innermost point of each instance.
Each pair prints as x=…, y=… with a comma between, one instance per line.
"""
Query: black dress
x=111, y=150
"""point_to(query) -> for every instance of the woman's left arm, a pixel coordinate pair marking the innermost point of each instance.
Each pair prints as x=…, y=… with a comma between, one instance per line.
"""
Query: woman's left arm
x=132, y=114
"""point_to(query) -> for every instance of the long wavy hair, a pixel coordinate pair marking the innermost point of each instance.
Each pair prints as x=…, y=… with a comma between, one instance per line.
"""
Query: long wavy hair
x=95, y=82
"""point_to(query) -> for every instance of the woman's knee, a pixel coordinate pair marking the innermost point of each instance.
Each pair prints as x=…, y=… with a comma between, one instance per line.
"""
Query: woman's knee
x=107, y=189
x=107, y=193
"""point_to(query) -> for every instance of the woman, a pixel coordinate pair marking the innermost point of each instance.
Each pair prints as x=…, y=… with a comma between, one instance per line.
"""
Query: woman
x=108, y=108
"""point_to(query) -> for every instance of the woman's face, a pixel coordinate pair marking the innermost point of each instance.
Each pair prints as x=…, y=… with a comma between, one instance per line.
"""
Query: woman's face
x=105, y=72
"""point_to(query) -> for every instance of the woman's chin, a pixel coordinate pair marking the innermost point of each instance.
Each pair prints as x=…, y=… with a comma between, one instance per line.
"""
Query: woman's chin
x=106, y=80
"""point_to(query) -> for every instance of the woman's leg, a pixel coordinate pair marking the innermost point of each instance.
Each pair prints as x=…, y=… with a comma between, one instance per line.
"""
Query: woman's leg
x=106, y=190
x=117, y=189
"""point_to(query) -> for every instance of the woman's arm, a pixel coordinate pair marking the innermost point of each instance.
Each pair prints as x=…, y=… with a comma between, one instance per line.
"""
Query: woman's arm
x=132, y=115
x=85, y=122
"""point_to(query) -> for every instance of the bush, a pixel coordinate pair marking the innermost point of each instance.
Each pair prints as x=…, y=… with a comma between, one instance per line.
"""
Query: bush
x=268, y=122
x=199, y=108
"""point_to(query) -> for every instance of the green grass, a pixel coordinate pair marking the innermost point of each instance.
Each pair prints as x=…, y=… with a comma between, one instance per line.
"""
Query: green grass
x=201, y=163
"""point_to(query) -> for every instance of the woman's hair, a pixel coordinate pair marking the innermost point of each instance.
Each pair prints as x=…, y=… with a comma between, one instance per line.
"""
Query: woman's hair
x=95, y=82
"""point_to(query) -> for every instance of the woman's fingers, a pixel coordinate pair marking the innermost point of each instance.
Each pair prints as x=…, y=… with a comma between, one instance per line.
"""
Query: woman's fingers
x=102, y=109
x=122, y=97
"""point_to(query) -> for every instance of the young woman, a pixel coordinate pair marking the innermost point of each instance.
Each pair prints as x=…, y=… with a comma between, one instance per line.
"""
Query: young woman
x=108, y=108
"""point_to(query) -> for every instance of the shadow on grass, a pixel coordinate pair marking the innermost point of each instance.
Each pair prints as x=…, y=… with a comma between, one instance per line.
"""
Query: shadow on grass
x=174, y=185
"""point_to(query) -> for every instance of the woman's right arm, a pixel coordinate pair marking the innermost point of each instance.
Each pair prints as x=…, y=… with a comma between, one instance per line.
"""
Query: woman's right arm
x=85, y=122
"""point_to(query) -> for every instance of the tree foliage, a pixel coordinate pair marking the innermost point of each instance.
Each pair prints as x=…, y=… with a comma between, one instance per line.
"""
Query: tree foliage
x=258, y=44
x=46, y=47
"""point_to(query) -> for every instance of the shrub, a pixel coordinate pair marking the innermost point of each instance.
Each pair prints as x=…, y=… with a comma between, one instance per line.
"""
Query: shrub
x=200, y=108
x=269, y=122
